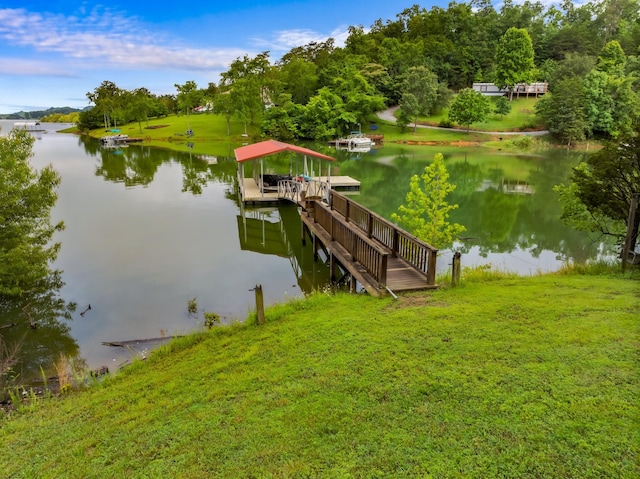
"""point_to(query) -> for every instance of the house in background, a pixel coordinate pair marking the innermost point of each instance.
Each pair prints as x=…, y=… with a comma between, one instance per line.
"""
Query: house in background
x=526, y=89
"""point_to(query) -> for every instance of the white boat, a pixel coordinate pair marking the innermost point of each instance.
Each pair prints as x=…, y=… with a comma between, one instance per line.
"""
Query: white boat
x=113, y=140
x=357, y=140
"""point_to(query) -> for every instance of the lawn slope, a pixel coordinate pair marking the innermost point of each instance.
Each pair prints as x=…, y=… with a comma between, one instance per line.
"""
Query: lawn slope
x=517, y=377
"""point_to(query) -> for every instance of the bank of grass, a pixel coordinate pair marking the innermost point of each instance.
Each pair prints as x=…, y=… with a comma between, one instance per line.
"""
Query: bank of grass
x=522, y=117
x=211, y=136
x=512, y=377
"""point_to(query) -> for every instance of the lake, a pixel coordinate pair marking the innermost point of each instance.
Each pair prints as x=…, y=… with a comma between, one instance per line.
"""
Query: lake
x=149, y=229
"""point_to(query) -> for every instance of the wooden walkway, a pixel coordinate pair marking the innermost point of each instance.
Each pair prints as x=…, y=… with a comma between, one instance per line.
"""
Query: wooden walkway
x=366, y=247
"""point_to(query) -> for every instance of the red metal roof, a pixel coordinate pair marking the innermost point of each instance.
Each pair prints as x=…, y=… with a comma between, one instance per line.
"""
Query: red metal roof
x=271, y=147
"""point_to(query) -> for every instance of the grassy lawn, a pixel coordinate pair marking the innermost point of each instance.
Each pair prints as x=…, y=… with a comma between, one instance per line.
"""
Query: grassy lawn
x=522, y=116
x=211, y=138
x=511, y=377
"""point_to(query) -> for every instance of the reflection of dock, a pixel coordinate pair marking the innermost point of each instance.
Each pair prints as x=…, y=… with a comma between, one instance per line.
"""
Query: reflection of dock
x=516, y=187
x=276, y=231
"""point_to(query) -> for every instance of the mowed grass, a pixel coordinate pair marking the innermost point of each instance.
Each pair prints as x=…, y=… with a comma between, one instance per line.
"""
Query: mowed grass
x=514, y=377
x=522, y=117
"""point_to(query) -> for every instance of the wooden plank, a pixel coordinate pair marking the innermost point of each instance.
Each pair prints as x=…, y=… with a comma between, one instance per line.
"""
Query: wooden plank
x=344, y=258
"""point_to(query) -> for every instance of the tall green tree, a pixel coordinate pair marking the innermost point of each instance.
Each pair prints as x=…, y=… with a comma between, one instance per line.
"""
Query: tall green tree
x=140, y=104
x=426, y=210
x=107, y=99
x=612, y=59
x=514, y=59
x=598, y=196
x=188, y=98
x=419, y=94
x=28, y=282
x=468, y=107
x=563, y=111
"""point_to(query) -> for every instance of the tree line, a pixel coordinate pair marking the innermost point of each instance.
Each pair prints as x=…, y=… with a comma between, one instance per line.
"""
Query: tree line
x=587, y=54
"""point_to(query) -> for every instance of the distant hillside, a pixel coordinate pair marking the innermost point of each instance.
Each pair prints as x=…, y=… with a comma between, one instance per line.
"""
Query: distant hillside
x=34, y=115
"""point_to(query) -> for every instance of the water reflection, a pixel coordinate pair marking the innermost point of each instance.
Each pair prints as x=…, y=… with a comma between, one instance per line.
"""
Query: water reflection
x=506, y=202
x=277, y=231
x=148, y=228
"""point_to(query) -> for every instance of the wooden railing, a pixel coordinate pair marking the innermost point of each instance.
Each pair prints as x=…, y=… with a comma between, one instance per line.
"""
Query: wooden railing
x=362, y=249
x=400, y=243
x=292, y=190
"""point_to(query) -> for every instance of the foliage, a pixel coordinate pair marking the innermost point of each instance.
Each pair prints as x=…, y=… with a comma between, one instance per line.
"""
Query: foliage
x=426, y=211
x=563, y=111
x=514, y=377
x=469, y=106
x=27, y=250
x=419, y=95
x=599, y=195
x=514, y=59
x=188, y=97
x=612, y=59
x=606, y=181
x=576, y=214
x=502, y=106
x=29, y=284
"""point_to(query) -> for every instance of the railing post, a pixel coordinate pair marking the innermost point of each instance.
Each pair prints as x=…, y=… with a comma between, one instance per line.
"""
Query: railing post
x=455, y=269
x=431, y=270
x=370, y=225
x=347, y=209
x=259, y=304
x=383, y=270
x=394, y=246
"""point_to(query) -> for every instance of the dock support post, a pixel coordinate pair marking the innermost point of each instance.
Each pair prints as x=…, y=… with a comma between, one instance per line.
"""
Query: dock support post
x=353, y=284
x=455, y=269
x=332, y=266
x=259, y=304
x=315, y=247
x=632, y=230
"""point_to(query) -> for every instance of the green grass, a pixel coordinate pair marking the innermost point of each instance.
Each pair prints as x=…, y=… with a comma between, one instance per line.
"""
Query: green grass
x=211, y=138
x=522, y=115
x=507, y=377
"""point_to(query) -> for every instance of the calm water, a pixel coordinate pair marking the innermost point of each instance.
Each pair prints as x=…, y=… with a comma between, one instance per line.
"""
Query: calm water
x=146, y=230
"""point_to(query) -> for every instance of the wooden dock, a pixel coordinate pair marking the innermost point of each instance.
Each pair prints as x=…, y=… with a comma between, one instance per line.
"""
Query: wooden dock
x=366, y=247
x=250, y=191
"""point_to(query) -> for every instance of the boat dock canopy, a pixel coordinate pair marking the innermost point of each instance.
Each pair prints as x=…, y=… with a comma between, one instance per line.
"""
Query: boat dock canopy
x=272, y=147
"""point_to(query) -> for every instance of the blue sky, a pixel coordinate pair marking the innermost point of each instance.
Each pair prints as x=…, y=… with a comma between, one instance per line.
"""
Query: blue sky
x=53, y=52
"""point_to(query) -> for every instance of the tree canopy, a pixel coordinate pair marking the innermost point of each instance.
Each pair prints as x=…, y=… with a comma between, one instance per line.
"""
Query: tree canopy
x=426, y=210
x=28, y=283
x=592, y=46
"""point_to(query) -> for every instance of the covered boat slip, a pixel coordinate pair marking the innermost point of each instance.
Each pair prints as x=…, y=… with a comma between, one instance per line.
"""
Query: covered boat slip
x=309, y=173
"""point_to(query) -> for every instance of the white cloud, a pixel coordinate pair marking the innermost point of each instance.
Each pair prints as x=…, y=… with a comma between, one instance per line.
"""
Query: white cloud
x=284, y=40
x=107, y=39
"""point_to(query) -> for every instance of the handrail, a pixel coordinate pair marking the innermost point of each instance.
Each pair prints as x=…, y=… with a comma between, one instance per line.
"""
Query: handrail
x=292, y=189
x=402, y=244
x=363, y=250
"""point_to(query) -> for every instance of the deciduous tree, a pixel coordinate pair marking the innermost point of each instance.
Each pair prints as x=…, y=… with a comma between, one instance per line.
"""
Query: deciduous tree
x=468, y=107
x=28, y=282
x=514, y=59
x=502, y=106
x=426, y=210
x=419, y=94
